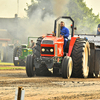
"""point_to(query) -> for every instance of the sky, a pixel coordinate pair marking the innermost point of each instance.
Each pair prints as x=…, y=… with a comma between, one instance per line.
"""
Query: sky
x=95, y=4
x=8, y=8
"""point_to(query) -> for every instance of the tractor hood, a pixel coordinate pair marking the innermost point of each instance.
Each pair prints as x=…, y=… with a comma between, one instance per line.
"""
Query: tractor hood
x=52, y=46
x=52, y=40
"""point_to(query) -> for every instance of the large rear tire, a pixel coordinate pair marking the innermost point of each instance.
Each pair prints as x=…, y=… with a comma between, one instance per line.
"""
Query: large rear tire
x=67, y=66
x=30, y=69
x=42, y=70
x=17, y=52
x=36, y=52
x=80, y=57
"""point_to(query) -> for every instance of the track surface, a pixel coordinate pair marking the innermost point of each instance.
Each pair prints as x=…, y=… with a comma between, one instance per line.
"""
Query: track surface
x=47, y=88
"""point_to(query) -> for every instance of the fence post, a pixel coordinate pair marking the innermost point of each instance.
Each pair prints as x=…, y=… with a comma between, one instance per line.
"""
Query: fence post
x=19, y=94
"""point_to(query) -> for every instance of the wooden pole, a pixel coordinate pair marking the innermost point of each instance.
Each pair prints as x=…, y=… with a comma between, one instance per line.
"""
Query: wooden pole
x=19, y=93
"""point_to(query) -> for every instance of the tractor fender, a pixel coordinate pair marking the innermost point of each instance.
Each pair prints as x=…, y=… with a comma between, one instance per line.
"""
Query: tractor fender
x=72, y=42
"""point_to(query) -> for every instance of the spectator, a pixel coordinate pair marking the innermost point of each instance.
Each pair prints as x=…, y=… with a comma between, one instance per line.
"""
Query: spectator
x=17, y=44
x=32, y=44
x=98, y=30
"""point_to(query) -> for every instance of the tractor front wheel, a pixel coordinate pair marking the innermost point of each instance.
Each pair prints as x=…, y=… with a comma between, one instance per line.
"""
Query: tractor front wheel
x=30, y=69
x=67, y=66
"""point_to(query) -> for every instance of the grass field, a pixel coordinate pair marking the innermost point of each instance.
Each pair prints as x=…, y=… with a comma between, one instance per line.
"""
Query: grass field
x=6, y=64
x=11, y=68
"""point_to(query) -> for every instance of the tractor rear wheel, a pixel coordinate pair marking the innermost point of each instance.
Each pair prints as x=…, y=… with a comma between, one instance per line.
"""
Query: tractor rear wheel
x=22, y=63
x=37, y=51
x=17, y=52
x=80, y=57
x=30, y=69
x=67, y=66
x=42, y=70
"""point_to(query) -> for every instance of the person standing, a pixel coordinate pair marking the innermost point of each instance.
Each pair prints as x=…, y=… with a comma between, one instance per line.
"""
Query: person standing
x=98, y=30
x=17, y=44
x=32, y=45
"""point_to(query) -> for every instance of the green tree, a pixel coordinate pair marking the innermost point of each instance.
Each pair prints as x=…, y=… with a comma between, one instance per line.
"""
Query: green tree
x=44, y=5
x=84, y=17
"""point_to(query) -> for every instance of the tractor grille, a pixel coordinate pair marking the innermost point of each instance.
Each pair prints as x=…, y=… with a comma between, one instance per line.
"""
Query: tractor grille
x=47, y=50
x=47, y=42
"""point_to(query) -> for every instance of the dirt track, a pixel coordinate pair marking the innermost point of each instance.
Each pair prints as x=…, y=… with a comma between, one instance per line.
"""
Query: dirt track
x=49, y=88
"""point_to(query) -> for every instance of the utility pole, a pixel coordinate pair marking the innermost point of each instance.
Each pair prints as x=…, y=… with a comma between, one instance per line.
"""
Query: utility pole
x=17, y=7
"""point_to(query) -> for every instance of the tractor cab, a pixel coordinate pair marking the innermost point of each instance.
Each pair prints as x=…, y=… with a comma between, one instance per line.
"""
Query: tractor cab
x=53, y=44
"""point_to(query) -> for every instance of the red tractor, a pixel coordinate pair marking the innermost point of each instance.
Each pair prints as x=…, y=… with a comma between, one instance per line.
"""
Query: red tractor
x=49, y=53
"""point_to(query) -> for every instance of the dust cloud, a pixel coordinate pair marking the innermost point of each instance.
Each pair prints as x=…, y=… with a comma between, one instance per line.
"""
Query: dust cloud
x=37, y=26
x=59, y=7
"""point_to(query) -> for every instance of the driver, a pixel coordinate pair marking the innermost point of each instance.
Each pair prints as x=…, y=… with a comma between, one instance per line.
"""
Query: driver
x=98, y=30
x=64, y=32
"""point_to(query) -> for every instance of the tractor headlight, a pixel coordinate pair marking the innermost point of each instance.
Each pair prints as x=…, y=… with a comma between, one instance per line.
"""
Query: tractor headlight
x=51, y=50
x=43, y=49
